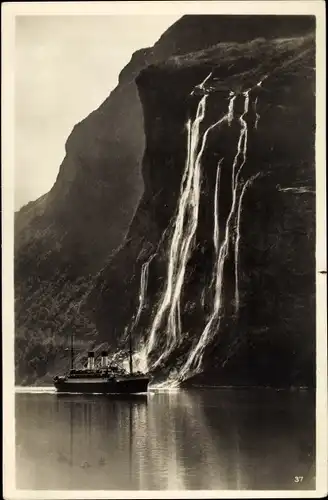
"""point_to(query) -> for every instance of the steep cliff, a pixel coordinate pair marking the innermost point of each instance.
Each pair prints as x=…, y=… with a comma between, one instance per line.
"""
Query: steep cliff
x=64, y=241
x=268, y=264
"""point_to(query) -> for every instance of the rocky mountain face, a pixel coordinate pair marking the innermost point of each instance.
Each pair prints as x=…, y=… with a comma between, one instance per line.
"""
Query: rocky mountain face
x=82, y=250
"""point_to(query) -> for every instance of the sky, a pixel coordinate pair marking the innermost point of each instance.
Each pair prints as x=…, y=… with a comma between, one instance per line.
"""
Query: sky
x=65, y=67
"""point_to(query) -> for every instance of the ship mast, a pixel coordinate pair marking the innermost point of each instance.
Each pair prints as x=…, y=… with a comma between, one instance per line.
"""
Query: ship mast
x=130, y=351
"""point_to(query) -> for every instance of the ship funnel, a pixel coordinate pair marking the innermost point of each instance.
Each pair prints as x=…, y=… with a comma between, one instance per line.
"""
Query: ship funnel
x=91, y=360
x=104, y=359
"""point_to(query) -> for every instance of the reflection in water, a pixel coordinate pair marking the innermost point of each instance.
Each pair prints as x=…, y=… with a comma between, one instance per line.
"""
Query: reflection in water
x=209, y=439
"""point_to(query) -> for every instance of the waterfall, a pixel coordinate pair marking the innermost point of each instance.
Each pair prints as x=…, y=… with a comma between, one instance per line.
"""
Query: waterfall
x=167, y=315
x=216, y=217
x=243, y=138
x=184, y=233
x=178, y=233
x=201, y=85
x=195, y=358
x=190, y=233
x=216, y=208
x=246, y=185
x=242, y=144
x=139, y=357
x=230, y=107
x=143, y=289
x=256, y=113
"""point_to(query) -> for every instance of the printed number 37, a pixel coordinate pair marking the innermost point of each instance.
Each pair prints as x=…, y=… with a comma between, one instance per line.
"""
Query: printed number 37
x=298, y=479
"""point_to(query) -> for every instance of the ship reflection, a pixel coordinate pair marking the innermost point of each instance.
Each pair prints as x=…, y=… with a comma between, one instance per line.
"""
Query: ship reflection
x=102, y=437
x=206, y=440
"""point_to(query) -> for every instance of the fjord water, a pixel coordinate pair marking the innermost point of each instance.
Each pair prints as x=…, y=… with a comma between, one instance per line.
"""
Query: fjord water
x=209, y=439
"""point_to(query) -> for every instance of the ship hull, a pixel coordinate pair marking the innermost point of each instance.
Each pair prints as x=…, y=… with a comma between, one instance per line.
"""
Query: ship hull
x=129, y=386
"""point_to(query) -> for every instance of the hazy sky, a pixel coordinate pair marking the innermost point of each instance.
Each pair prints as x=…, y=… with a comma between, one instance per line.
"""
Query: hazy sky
x=65, y=68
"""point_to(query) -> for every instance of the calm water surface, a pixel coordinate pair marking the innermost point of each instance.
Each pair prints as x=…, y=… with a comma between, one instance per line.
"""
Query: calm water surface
x=206, y=439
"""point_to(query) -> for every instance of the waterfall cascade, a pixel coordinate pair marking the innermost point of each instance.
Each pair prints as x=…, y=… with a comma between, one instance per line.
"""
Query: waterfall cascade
x=167, y=313
x=143, y=290
x=181, y=241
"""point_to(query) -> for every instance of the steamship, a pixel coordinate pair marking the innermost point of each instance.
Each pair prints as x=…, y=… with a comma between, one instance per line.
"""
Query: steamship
x=108, y=378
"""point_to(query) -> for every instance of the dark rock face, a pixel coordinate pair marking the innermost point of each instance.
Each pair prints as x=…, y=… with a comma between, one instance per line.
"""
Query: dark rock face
x=66, y=237
x=271, y=342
